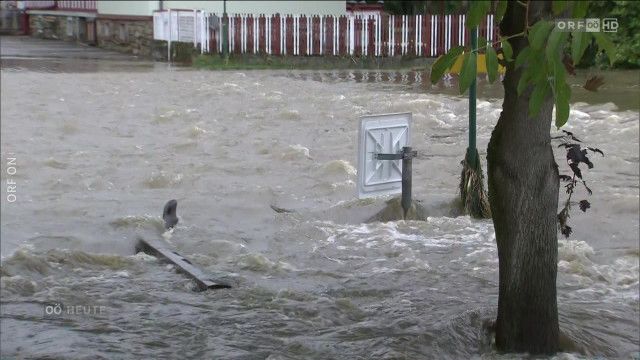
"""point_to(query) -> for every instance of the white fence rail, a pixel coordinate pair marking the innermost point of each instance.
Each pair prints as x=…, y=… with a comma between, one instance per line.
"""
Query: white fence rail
x=362, y=35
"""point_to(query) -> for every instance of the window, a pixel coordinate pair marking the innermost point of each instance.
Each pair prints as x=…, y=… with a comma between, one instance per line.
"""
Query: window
x=122, y=35
x=106, y=29
x=70, y=26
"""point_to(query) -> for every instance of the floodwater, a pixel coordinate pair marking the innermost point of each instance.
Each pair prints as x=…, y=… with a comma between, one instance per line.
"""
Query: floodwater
x=98, y=153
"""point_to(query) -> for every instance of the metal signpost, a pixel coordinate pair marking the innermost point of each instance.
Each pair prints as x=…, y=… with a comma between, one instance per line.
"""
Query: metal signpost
x=383, y=142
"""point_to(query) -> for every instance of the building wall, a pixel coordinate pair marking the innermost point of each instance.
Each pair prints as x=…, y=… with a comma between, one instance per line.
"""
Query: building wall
x=68, y=28
x=130, y=8
x=11, y=21
x=263, y=7
x=126, y=34
x=127, y=26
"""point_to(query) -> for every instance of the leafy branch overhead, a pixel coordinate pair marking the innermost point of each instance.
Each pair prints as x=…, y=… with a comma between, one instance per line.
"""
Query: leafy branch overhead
x=553, y=52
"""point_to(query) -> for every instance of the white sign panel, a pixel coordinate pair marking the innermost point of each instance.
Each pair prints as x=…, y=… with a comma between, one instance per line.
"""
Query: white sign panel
x=160, y=25
x=381, y=134
x=186, y=27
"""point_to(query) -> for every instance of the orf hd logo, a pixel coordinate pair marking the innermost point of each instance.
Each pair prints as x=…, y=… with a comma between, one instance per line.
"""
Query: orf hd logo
x=587, y=25
x=610, y=25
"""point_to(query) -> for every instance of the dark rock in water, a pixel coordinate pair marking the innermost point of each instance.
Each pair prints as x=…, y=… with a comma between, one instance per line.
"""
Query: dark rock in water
x=169, y=214
x=393, y=211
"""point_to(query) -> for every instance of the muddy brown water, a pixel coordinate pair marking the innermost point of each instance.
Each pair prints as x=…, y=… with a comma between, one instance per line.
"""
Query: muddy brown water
x=98, y=153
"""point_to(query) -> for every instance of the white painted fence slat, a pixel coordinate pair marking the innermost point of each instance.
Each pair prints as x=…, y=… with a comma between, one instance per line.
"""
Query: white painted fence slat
x=363, y=33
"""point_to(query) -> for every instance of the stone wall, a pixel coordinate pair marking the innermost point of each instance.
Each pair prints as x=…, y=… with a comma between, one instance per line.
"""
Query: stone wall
x=134, y=36
x=68, y=28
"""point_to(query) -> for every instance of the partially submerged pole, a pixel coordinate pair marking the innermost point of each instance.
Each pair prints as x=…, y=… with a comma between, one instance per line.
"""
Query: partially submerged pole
x=407, y=156
x=474, y=198
x=472, y=153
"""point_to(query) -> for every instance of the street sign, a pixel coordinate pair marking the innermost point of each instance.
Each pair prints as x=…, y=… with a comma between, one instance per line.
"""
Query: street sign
x=381, y=134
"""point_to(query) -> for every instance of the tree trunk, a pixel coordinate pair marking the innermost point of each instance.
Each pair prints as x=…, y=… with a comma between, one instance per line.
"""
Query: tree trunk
x=523, y=194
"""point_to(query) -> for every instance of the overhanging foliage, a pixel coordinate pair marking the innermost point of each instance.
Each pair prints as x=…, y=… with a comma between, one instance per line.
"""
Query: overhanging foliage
x=554, y=52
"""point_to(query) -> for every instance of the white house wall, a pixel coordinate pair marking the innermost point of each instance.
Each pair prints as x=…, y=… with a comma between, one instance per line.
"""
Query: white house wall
x=263, y=7
x=132, y=8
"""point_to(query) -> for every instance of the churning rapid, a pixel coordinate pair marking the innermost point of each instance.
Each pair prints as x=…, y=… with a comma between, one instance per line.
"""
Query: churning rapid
x=97, y=155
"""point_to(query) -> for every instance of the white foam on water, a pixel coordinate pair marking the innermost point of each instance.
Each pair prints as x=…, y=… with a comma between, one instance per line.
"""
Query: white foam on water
x=143, y=257
x=138, y=221
x=296, y=151
x=291, y=114
x=162, y=179
x=167, y=235
x=343, y=184
x=338, y=167
x=483, y=104
x=615, y=281
x=195, y=131
x=122, y=274
x=578, y=115
x=261, y=263
x=389, y=233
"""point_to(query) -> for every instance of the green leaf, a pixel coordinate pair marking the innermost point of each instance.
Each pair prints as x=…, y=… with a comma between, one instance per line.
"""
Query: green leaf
x=482, y=43
x=559, y=6
x=562, y=93
x=605, y=43
x=523, y=56
x=492, y=64
x=579, y=10
x=540, y=91
x=506, y=49
x=501, y=10
x=539, y=33
x=533, y=73
x=559, y=73
x=524, y=80
x=579, y=43
x=468, y=72
x=562, y=105
x=556, y=39
x=477, y=9
x=444, y=62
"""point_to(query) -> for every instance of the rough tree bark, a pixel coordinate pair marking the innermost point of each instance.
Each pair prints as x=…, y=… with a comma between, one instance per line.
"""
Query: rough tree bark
x=523, y=194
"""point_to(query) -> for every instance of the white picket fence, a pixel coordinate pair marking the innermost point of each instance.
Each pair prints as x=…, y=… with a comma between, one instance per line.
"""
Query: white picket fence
x=183, y=26
x=369, y=35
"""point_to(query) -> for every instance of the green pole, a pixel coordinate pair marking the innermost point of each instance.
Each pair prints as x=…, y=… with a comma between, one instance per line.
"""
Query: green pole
x=225, y=30
x=472, y=193
x=471, y=150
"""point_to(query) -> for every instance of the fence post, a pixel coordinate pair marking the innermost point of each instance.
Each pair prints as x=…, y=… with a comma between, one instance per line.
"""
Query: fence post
x=322, y=34
x=169, y=38
x=336, y=35
x=225, y=30
x=392, y=35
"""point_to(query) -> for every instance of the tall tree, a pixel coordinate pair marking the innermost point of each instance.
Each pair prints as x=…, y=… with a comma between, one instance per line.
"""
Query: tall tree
x=523, y=195
x=522, y=174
